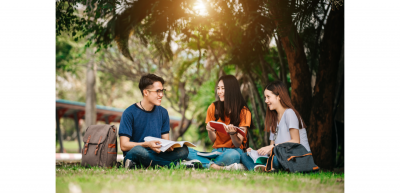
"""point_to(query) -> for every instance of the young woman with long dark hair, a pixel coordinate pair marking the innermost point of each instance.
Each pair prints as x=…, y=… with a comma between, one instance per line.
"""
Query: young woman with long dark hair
x=231, y=109
x=284, y=122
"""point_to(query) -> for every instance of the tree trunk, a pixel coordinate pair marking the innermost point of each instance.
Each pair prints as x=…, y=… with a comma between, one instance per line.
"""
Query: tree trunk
x=299, y=72
x=184, y=124
x=257, y=121
x=250, y=138
x=320, y=132
x=269, y=67
x=264, y=71
x=260, y=101
x=90, y=108
x=281, y=62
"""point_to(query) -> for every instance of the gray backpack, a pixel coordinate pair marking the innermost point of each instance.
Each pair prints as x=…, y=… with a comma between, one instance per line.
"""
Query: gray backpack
x=293, y=157
x=100, y=146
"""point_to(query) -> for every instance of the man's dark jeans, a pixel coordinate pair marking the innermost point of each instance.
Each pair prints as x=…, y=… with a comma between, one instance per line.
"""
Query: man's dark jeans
x=145, y=156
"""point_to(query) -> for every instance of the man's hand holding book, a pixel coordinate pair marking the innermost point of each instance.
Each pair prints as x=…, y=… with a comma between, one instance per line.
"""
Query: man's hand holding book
x=154, y=145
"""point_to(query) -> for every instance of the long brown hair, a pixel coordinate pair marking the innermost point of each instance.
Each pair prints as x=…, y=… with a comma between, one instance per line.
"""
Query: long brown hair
x=271, y=117
x=234, y=102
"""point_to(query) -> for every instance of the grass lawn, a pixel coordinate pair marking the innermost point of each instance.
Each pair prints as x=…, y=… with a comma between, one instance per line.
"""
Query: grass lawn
x=74, y=178
x=69, y=146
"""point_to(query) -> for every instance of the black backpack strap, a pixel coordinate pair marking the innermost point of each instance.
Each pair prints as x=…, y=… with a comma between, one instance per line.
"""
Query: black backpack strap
x=269, y=166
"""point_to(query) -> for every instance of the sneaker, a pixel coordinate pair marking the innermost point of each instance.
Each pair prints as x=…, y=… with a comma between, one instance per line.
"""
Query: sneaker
x=129, y=164
x=233, y=166
x=259, y=168
x=241, y=167
x=196, y=164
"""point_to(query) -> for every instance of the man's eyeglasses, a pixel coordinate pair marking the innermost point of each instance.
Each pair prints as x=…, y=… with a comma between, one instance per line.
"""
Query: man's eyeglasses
x=160, y=92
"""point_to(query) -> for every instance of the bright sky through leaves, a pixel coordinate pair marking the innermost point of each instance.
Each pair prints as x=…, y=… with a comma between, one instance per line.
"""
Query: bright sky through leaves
x=200, y=8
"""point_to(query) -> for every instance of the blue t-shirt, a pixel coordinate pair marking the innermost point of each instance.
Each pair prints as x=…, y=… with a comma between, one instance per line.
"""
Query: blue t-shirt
x=137, y=123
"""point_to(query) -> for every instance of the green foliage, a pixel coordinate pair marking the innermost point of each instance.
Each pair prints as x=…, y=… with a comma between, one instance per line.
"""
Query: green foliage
x=104, y=21
x=244, y=26
x=63, y=50
x=66, y=20
x=229, y=69
x=68, y=54
x=114, y=84
x=203, y=99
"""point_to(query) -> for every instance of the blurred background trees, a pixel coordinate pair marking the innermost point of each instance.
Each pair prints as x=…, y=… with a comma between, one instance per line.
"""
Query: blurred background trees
x=191, y=43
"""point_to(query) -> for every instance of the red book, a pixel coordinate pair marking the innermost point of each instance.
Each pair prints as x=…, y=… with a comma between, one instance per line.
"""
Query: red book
x=219, y=127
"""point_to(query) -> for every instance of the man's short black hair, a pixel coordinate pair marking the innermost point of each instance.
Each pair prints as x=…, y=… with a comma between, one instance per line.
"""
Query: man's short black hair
x=148, y=80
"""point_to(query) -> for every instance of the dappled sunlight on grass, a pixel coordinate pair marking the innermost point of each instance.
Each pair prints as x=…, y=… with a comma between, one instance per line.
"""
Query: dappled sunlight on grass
x=72, y=178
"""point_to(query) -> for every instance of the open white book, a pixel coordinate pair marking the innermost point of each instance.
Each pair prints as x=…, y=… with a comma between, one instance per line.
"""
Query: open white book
x=257, y=158
x=165, y=144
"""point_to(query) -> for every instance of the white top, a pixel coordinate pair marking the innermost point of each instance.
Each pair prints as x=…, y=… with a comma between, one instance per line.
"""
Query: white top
x=289, y=121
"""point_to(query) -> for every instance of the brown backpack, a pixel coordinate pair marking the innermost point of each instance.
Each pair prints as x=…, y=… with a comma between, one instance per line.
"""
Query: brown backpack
x=100, y=146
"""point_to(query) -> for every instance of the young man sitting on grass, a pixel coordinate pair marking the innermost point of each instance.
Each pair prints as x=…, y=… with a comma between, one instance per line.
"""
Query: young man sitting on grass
x=148, y=118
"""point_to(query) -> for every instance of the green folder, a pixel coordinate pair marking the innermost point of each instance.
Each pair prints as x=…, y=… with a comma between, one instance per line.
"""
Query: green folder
x=257, y=158
x=261, y=161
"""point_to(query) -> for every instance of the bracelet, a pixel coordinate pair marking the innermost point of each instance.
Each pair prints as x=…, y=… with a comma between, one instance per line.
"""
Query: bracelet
x=233, y=134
